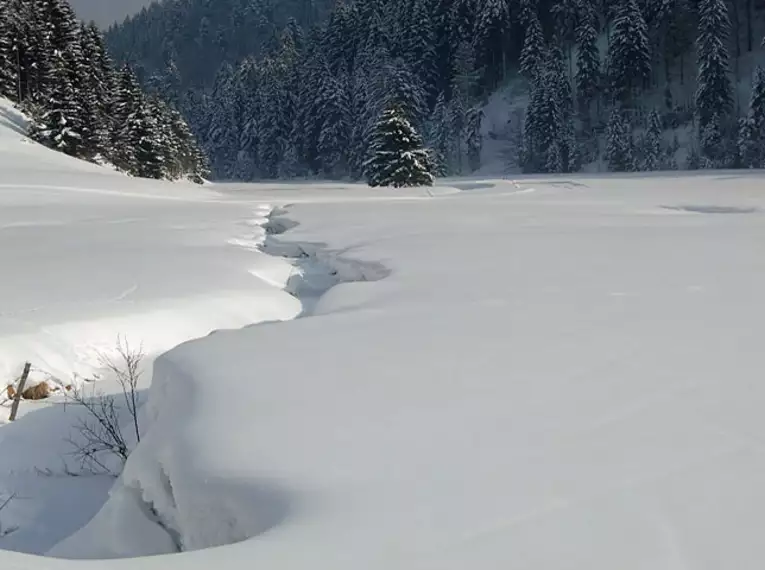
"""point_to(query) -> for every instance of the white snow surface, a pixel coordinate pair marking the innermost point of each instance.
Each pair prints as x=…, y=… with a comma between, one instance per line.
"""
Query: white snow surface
x=543, y=373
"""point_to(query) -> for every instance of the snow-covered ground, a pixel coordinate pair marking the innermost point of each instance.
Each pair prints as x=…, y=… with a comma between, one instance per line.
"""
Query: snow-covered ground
x=546, y=373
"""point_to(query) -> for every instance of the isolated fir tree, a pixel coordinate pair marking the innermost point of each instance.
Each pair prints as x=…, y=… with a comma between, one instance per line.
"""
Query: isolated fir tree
x=751, y=140
x=652, y=143
x=396, y=154
x=533, y=52
x=714, y=92
x=629, y=54
x=618, y=143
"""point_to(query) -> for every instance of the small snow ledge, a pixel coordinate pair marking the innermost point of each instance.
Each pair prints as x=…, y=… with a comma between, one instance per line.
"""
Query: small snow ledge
x=175, y=494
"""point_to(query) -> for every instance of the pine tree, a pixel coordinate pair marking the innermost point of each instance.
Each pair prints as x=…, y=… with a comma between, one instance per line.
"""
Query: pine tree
x=549, y=144
x=629, y=54
x=587, y=63
x=222, y=135
x=492, y=23
x=714, y=93
x=473, y=137
x=419, y=47
x=566, y=15
x=57, y=125
x=335, y=131
x=128, y=103
x=8, y=76
x=714, y=144
x=618, y=144
x=652, y=143
x=533, y=52
x=751, y=141
x=440, y=137
x=396, y=154
x=94, y=94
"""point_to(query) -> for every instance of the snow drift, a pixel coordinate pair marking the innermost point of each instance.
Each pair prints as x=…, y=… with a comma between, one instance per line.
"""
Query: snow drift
x=558, y=379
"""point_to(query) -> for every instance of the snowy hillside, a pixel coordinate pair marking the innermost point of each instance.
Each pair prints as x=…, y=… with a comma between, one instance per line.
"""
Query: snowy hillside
x=543, y=373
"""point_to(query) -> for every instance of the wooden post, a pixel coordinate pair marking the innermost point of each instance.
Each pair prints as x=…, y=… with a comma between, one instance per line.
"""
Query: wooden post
x=19, y=391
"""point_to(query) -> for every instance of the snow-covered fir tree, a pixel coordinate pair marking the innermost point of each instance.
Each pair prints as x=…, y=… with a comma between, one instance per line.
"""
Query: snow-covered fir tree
x=439, y=138
x=619, y=154
x=8, y=73
x=549, y=141
x=473, y=137
x=397, y=156
x=58, y=71
x=533, y=52
x=714, y=91
x=436, y=58
x=652, y=148
x=629, y=54
x=588, y=72
x=751, y=141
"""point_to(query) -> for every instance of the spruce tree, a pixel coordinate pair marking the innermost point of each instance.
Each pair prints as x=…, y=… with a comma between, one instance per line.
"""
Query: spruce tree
x=751, y=141
x=712, y=143
x=548, y=140
x=419, y=47
x=473, y=138
x=396, y=153
x=335, y=130
x=714, y=93
x=629, y=54
x=57, y=125
x=8, y=76
x=533, y=52
x=587, y=63
x=652, y=143
x=492, y=24
x=440, y=137
x=128, y=104
x=618, y=143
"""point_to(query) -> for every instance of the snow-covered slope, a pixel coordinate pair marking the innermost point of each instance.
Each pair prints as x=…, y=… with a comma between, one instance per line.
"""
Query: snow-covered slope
x=546, y=373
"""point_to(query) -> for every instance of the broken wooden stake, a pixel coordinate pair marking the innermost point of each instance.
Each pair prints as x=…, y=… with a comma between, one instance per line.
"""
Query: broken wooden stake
x=19, y=391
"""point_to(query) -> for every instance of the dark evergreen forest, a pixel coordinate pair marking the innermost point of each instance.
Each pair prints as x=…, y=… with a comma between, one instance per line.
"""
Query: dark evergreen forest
x=57, y=70
x=298, y=88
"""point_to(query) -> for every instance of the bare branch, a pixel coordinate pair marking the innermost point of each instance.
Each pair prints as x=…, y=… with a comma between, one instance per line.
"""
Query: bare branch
x=100, y=430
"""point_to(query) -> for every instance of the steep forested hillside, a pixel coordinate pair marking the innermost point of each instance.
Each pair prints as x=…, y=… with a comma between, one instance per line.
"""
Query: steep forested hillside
x=197, y=36
x=58, y=71
x=606, y=81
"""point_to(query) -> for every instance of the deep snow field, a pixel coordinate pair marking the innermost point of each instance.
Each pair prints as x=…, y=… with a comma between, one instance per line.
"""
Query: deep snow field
x=514, y=374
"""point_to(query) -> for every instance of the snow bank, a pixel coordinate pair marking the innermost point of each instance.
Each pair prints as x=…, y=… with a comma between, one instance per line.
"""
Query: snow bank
x=558, y=379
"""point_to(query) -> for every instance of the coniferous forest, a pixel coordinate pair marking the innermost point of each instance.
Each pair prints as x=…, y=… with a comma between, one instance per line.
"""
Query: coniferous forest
x=58, y=71
x=308, y=88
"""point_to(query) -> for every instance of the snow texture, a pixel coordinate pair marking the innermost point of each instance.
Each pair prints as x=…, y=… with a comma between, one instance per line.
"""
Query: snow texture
x=545, y=373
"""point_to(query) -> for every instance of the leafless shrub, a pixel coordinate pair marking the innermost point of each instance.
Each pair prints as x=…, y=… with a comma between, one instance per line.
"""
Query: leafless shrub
x=100, y=431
